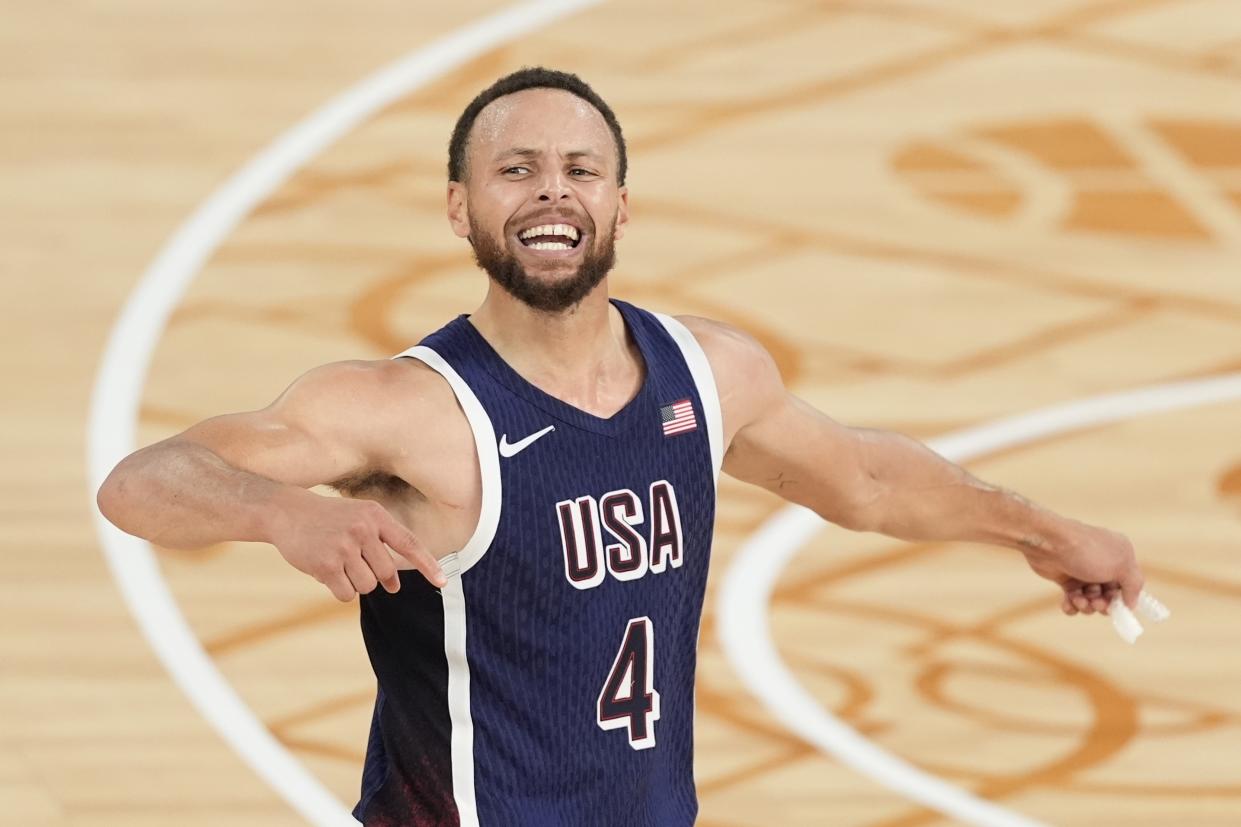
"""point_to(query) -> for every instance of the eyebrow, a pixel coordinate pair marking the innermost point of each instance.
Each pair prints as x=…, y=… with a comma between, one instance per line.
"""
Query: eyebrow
x=533, y=153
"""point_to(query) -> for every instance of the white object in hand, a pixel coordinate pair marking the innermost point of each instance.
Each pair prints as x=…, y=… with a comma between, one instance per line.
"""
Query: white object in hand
x=1152, y=609
x=1126, y=625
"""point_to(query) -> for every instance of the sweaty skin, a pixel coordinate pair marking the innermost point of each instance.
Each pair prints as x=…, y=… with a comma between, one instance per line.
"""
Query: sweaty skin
x=390, y=435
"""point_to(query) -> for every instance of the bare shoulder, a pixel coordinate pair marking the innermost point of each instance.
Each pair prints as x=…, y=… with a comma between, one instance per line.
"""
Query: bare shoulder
x=746, y=376
x=423, y=393
x=369, y=375
x=403, y=411
x=373, y=388
x=716, y=334
x=735, y=355
x=407, y=394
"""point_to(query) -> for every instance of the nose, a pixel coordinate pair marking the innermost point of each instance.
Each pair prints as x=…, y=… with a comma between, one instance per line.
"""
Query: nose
x=553, y=187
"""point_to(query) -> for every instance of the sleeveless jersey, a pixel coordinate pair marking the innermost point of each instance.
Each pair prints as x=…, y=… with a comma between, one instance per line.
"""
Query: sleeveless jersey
x=551, y=681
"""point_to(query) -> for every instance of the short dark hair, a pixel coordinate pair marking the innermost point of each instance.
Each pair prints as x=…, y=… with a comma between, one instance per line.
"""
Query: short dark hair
x=531, y=77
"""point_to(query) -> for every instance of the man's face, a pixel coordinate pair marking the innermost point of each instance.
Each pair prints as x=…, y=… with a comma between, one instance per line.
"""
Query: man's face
x=540, y=204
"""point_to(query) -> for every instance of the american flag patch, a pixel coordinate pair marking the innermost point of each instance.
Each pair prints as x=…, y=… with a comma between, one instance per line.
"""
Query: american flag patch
x=678, y=417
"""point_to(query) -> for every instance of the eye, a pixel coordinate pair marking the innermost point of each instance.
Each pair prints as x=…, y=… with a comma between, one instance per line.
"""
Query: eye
x=576, y=170
x=518, y=170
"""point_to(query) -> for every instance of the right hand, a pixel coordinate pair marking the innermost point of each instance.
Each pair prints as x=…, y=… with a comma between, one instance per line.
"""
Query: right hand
x=1091, y=565
x=343, y=543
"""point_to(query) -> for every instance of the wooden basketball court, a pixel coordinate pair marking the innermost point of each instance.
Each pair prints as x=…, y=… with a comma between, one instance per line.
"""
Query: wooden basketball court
x=935, y=213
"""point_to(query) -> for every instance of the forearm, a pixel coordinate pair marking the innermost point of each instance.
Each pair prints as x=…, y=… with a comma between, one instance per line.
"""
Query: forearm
x=182, y=495
x=918, y=495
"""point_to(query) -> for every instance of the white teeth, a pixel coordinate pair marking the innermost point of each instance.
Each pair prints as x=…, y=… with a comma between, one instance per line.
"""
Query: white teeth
x=551, y=229
x=549, y=245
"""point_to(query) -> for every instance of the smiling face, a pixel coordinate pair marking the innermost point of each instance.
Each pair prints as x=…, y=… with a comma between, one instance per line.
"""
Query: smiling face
x=540, y=203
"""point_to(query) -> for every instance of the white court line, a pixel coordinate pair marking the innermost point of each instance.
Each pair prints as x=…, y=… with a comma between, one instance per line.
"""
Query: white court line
x=126, y=359
x=745, y=634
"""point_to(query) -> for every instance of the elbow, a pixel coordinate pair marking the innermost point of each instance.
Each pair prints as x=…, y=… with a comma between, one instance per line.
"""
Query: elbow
x=114, y=497
x=855, y=519
x=863, y=507
x=847, y=515
x=862, y=490
x=108, y=498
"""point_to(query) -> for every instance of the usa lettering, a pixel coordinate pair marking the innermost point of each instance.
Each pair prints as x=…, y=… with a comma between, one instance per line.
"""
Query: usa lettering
x=605, y=536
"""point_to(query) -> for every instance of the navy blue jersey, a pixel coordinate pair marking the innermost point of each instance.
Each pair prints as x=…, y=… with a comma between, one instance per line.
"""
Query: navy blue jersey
x=551, y=681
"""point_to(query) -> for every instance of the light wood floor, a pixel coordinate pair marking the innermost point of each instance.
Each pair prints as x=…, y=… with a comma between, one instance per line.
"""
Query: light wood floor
x=935, y=213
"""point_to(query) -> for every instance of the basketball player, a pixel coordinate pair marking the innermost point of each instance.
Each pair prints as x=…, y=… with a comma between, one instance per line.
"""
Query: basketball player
x=534, y=487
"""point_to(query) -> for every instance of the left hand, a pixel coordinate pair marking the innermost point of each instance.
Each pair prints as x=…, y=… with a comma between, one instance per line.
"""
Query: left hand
x=1090, y=564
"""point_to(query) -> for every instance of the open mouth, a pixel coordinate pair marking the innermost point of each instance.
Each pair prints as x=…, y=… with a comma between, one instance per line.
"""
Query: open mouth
x=551, y=237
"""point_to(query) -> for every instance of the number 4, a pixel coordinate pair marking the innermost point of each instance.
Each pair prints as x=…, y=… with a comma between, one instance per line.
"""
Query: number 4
x=629, y=698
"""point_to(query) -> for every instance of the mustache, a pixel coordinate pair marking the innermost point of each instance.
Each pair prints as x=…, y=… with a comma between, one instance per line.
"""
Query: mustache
x=584, y=221
x=501, y=265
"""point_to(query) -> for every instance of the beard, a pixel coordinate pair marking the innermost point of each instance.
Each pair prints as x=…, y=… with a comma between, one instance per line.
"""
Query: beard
x=554, y=297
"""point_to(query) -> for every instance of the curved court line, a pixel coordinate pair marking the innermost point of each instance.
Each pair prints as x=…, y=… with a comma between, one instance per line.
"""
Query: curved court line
x=126, y=359
x=745, y=635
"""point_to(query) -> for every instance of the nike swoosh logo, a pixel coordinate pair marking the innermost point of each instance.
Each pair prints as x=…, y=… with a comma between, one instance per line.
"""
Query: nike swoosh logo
x=508, y=449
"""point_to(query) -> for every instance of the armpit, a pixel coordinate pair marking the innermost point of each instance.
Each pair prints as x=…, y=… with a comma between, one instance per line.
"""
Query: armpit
x=372, y=484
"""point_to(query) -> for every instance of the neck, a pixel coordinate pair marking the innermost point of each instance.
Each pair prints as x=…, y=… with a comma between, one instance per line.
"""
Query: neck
x=581, y=355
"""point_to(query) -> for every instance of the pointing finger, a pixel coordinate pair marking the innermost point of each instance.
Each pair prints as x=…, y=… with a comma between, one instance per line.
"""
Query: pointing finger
x=402, y=541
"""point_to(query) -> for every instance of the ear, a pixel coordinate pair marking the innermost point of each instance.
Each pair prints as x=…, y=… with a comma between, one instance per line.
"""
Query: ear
x=622, y=212
x=458, y=209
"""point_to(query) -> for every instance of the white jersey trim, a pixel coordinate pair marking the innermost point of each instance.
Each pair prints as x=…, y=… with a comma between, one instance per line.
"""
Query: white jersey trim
x=488, y=457
x=462, y=744
x=704, y=379
x=453, y=592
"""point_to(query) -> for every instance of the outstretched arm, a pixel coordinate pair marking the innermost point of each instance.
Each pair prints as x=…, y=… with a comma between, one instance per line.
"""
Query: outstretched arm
x=244, y=476
x=872, y=480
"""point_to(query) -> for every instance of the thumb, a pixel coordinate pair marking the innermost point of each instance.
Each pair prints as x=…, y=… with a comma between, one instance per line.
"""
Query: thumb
x=1131, y=584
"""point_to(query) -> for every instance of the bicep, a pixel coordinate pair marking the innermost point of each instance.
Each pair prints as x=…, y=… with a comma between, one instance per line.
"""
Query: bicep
x=776, y=440
x=310, y=435
x=796, y=451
